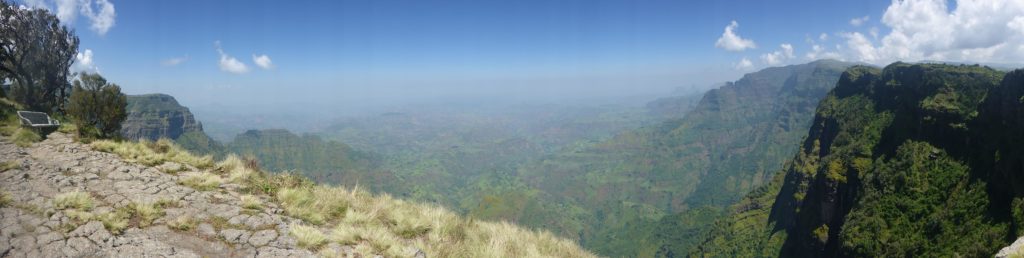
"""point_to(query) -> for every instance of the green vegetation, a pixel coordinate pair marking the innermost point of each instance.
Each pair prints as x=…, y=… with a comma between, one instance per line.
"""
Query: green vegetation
x=37, y=54
x=906, y=161
x=96, y=106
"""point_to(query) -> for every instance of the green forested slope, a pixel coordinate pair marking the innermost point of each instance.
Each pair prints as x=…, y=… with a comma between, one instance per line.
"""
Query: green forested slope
x=634, y=184
x=905, y=161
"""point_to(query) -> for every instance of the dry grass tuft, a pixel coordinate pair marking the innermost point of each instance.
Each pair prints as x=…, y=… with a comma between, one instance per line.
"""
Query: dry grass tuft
x=315, y=205
x=8, y=165
x=152, y=153
x=115, y=221
x=5, y=199
x=147, y=212
x=251, y=202
x=308, y=237
x=78, y=200
x=202, y=181
x=25, y=137
x=183, y=223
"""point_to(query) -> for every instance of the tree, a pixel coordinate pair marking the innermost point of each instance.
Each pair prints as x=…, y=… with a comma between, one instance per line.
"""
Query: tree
x=36, y=53
x=96, y=106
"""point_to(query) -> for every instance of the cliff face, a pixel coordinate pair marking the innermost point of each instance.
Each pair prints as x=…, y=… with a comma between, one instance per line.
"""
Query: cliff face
x=155, y=116
x=910, y=160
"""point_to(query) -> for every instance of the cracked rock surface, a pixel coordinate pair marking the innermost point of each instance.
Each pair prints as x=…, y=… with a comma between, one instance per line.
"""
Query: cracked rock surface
x=32, y=226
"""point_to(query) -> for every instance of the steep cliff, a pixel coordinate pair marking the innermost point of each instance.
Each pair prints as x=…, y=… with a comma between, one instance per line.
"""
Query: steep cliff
x=910, y=160
x=663, y=184
x=155, y=116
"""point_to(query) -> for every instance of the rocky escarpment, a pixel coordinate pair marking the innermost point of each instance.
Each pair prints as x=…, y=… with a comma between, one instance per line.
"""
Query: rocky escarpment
x=33, y=223
x=909, y=160
x=155, y=116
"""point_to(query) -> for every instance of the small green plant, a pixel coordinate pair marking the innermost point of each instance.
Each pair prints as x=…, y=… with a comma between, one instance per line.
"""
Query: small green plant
x=308, y=237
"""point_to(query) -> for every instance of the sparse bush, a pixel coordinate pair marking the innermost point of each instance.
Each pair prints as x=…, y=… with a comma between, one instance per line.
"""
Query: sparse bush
x=308, y=237
x=74, y=200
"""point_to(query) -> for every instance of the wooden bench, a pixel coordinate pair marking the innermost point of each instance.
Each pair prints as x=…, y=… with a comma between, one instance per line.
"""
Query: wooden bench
x=38, y=121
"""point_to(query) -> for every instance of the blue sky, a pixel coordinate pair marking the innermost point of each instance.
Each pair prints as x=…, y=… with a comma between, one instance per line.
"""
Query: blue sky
x=393, y=51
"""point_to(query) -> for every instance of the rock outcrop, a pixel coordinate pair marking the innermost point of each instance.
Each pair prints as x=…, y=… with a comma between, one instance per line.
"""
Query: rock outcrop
x=1014, y=250
x=155, y=116
x=32, y=225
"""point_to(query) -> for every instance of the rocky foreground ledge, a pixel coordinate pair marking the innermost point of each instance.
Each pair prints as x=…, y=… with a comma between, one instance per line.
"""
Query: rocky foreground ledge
x=31, y=225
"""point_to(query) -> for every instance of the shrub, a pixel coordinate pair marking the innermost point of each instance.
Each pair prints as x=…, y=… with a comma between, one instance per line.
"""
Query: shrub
x=96, y=106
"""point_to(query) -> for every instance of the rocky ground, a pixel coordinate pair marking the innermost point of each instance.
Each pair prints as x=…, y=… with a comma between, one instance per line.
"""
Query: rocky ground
x=32, y=226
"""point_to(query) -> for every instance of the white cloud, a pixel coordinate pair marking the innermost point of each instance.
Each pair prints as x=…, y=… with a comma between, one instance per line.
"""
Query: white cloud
x=263, y=61
x=100, y=13
x=823, y=36
x=731, y=41
x=818, y=52
x=938, y=30
x=174, y=61
x=780, y=56
x=229, y=63
x=84, y=63
x=856, y=22
x=744, y=64
x=102, y=19
x=67, y=10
